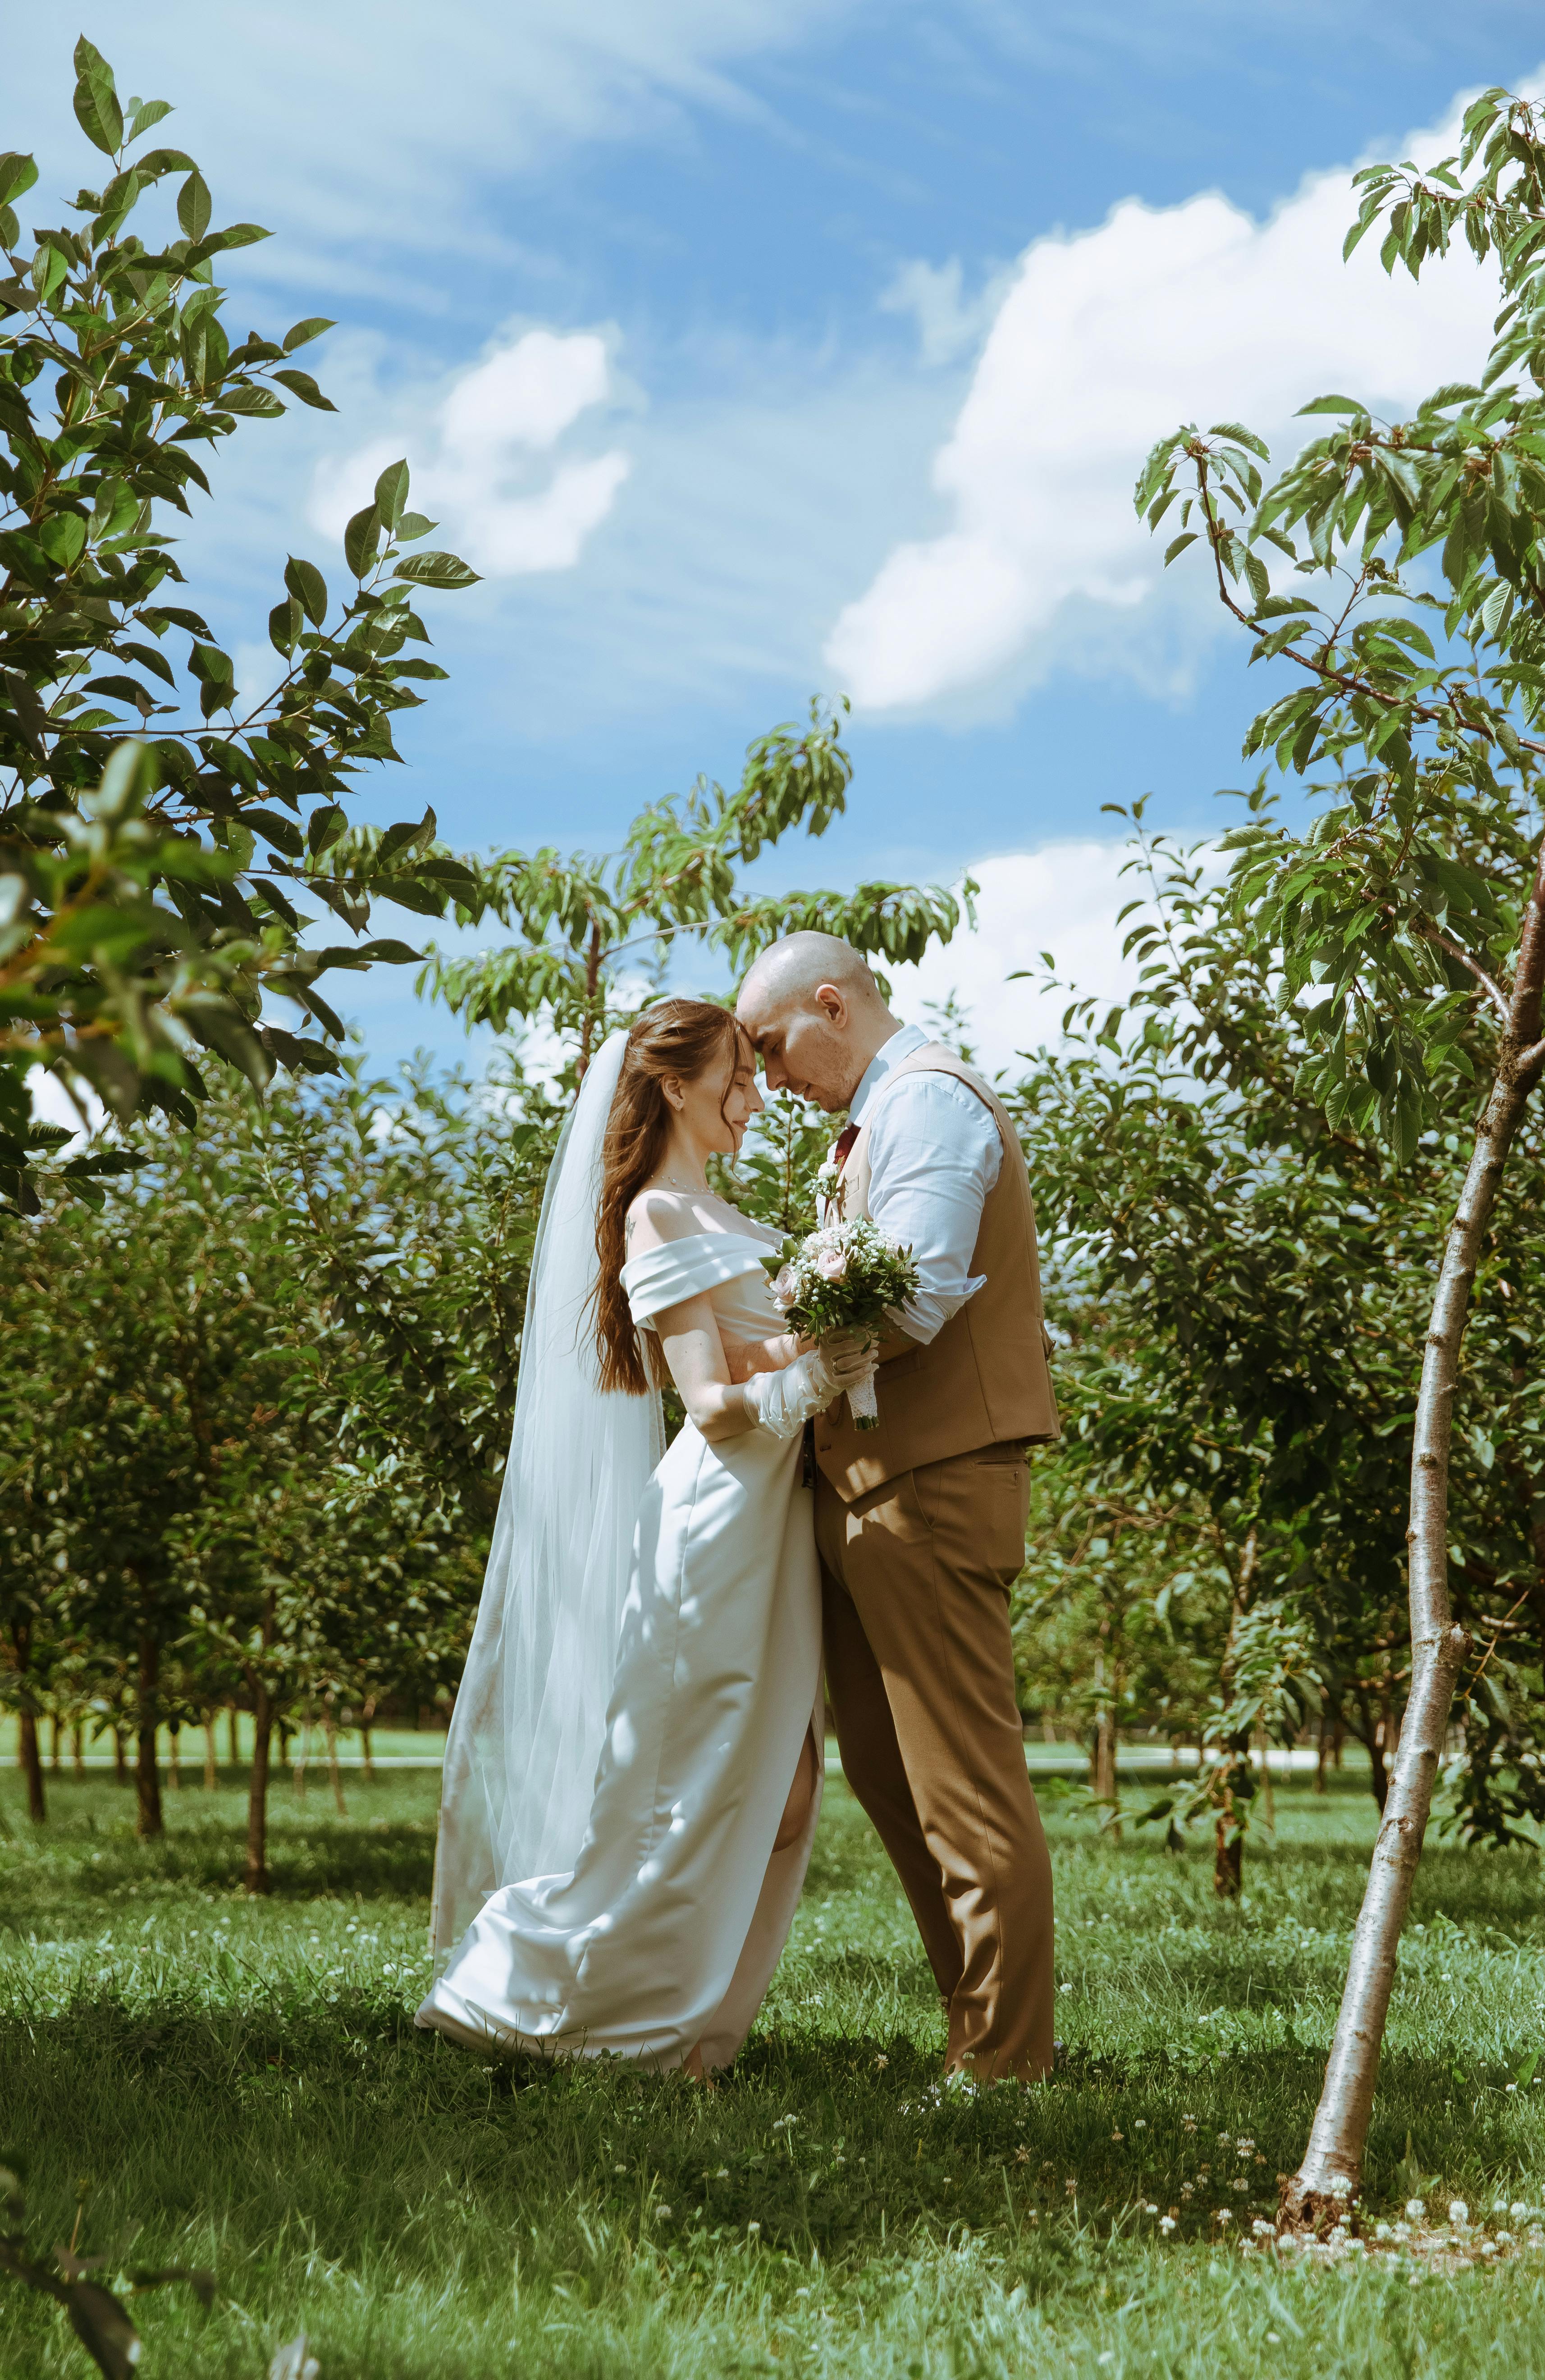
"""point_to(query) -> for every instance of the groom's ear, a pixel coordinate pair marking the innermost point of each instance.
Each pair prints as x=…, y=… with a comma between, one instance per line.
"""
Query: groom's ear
x=832, y=1004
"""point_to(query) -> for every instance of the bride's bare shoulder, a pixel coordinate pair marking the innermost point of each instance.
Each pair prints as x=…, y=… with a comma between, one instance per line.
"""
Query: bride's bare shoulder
x=657, y=1217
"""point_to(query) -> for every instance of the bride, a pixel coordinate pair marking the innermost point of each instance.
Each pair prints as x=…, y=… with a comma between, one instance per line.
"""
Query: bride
x=633, y=1771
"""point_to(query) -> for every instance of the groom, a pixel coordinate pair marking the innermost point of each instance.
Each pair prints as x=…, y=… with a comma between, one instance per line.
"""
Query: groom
x=920, y=1523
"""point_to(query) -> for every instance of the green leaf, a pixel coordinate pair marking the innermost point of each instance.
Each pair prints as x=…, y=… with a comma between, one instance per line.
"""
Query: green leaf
x=1178, y=545
x=221, y=1026
x=208, y=662
x=149, y=112
x=17, y=173
x=434, y=569
x=361, y=539
x=96, y=100
x=414, y=525
x=391, y=493
x=323, y=828
x=1333, y=404
x=284, y=626
x=1242, y=437
x=303, y=386
x=240, y=235
x=282, y=832
x=307, y=585
x=23, y=556
x=62, y=538
x=302, y=333
x=195, y=205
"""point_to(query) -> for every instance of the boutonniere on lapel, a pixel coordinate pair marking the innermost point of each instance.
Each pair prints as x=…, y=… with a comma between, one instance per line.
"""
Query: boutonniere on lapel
x=829, y=1187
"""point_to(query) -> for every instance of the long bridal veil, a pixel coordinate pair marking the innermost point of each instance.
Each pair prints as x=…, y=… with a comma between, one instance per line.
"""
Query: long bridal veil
x=529, y=1718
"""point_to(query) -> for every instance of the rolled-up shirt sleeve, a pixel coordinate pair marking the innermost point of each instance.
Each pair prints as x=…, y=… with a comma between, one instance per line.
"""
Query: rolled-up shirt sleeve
x=933, y=1155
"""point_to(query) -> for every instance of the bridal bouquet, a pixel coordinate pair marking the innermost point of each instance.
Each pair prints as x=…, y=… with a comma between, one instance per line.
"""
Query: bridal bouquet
x=843, y=1278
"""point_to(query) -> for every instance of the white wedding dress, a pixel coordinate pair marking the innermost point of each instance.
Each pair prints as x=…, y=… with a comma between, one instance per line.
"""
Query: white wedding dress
x=664, y=1932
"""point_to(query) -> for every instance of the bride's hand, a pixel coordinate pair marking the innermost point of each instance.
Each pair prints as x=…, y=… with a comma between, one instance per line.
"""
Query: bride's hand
x=849, y=1357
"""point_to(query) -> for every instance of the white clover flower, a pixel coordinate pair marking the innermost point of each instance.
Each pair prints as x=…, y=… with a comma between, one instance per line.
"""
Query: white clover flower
x=1458, y=2214
x=1166, y=2223
x=1224, y=2215
x=753, y=2228
x=666, y=2211
x=1518, y=2210
x=1341, y=2186
x=1415, y=2210
x=1262, y=2229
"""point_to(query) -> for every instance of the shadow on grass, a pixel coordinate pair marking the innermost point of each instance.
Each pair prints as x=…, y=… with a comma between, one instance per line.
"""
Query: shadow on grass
x=380, y=1859
x=341, y=2120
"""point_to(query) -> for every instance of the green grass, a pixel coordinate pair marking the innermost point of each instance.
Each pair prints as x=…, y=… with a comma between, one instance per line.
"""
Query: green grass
x=244, y=2083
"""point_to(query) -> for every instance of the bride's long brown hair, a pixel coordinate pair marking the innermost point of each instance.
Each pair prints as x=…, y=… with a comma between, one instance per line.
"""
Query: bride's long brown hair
x=675, y=1037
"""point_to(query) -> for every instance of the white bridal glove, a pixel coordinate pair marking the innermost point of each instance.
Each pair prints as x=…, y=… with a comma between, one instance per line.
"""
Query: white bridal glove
x=783, y=1402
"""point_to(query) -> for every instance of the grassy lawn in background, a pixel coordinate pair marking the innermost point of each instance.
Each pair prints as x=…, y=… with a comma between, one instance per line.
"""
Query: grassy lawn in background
x=243, y=2082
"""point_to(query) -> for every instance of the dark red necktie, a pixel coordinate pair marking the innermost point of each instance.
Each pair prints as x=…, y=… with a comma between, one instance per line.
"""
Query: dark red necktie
x=845, y=1139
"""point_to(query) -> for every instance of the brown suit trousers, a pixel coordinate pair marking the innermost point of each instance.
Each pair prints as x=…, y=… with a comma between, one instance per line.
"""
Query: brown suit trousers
x=919, y=1667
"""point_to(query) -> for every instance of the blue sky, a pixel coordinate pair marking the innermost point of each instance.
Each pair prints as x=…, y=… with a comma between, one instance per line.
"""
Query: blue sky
x=757, y=348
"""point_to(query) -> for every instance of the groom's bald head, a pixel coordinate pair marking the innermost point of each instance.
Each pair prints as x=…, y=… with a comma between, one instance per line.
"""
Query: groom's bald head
x=816, y=1015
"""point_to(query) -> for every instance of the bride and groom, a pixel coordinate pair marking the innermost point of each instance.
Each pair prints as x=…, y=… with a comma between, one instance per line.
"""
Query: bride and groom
x=634, y=1769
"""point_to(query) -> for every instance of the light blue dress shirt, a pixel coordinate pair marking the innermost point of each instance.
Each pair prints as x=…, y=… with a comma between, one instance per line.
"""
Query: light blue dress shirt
x=933, y=1155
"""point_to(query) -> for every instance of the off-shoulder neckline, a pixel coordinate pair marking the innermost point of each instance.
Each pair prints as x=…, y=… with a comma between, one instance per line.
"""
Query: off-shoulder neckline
x=688, y=1239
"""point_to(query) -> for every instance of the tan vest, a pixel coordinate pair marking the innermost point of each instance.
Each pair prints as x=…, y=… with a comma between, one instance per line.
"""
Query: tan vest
x=984, y=1379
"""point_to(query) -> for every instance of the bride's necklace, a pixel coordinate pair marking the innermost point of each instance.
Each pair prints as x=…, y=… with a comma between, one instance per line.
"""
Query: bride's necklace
x=693, y=1189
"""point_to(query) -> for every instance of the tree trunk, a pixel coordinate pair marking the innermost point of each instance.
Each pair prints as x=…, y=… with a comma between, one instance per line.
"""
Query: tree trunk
x=257, y=1794
x=1320, y=1757
x=330, y=1726
x=1378, y=1767
x=56, y=1742
x=120, y=1766
x=236, y=1739
x=298, y=1771
x=1267, y=1795
x=174, y=1763
x=365, y=1717
x=211, y=1760
x=148, y=1820
x=30, y=1761
x=1228, y=1855
x=1333, y=2164
x=77, y=1747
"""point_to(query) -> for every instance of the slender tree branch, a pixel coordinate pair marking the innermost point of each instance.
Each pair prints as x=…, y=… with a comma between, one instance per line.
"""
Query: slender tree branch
x=1493, y=990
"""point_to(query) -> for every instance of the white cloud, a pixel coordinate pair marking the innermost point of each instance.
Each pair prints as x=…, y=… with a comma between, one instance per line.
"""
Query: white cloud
x=1106, y=340
x=948, y=321
x=474, y=461
x=367, y=131
x=1063, y=897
